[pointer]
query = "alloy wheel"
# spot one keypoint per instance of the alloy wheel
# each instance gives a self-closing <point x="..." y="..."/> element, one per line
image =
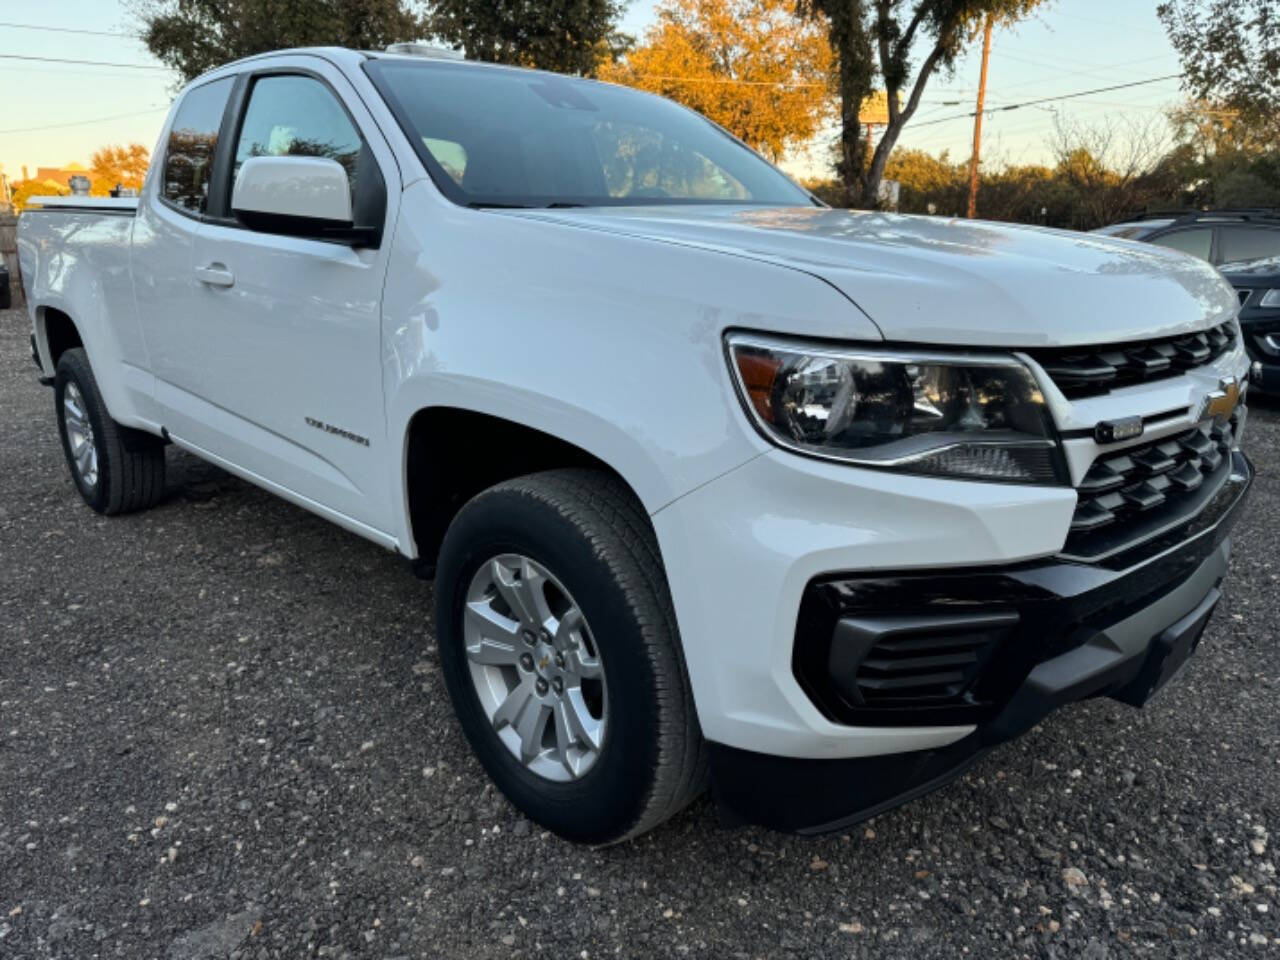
<point x="535" y="667"/>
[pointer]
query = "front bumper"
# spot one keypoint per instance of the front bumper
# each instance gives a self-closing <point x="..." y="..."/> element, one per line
<point x="1084" y="631"/>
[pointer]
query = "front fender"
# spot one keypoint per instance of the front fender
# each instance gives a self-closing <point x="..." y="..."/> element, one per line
<point x="611" y="343"/>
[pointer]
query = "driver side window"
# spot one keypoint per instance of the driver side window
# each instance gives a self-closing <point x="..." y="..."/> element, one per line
<point x="297" y="116"/>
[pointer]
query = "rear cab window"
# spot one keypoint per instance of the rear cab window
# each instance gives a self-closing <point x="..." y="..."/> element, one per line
<point x="193" y="139"/>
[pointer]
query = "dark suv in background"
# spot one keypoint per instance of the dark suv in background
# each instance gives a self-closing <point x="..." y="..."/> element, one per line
<point x="1245" y="246"/>
<point x="1218" y="236"/>
<point x="1258" y="284"/>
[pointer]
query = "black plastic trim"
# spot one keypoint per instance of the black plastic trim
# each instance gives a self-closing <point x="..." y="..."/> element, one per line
<point x="1060" y="605"/>
<point x="815" y="795"/>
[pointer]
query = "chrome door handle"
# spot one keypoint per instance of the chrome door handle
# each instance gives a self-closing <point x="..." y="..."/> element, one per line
<point x="215" y="275"/>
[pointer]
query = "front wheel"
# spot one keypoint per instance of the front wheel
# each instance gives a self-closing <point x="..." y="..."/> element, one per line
<point x="560" y="651"/>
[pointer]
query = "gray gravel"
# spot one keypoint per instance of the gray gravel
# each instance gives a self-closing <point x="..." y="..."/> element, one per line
<point x="223" y="733"/>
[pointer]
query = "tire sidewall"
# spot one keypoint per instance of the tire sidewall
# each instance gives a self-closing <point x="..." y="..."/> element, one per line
<point x="72" y="369"/>
<point x="602" y="804"/>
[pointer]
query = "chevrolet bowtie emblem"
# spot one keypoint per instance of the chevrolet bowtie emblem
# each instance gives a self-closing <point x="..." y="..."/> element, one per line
<point x="1221" y="403"/>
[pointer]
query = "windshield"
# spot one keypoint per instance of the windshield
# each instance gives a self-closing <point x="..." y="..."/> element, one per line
<point x="495" y="136"/>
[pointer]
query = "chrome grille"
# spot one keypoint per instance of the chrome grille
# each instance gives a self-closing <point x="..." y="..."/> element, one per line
<point x="1142" y="485"/>
<point x="1089" y="371"/>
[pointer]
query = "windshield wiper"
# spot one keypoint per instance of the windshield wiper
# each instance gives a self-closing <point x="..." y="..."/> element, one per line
<point x="487" y="205"/>
<point x="563" y="205"/>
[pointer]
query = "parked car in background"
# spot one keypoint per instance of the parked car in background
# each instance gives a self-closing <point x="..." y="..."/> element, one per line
<point x="1257" y="283"/>
<point x="1217" y="236"/>
<point x="716" y="483"/>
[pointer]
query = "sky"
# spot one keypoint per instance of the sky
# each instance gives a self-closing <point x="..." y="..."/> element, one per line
<point x="55" y="113"/>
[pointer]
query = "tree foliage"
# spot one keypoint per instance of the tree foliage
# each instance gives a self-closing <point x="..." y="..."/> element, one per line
<point x="1230" y="49"/>
<point x="752" y="66"/>
<point x="21" y="191"/>
<point x="194" y="36"/>
<point x="1104" y="172"/>
<point x="879" y="37"/>
<point x="568" y="36"/>
<point x="117" y="165"/>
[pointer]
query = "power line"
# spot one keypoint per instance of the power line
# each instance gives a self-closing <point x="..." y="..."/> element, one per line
<point x="81" y="123"/>
<point x="733" y="80"/>
<point x="90" y="63"/>
<point x="94" y="33"/>
<point x="1064" y="96"/>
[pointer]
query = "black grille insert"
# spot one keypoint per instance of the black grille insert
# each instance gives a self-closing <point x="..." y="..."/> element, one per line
<point x="896" y="660"/>
<point x="1090" y="371"/>
<point x="1132" y="492"/>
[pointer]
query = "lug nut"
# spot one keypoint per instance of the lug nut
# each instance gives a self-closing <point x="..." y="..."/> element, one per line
<point x="559" y="659"/>
<point x="558" y="685"/>
<point x="542" y="687"/>
<point x="546" y="636"/>
<point x="530" y="637"/>
<point x="526" y="661"/>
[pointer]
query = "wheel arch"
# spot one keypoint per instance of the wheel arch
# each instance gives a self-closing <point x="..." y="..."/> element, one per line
<point x="56" y="333"/>
<point x="453" y="453"/>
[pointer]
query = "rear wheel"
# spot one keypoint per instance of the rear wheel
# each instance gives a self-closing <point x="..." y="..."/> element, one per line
<point x="560" y="651"/>
<point x="116" y="469"/>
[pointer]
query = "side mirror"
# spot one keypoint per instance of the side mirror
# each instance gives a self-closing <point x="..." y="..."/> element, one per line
<point x="298" y="196"/>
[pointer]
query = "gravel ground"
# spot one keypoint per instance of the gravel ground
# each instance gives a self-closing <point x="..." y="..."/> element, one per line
<point x="223" y="734"/>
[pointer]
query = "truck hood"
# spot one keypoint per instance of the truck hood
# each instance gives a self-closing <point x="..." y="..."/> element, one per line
<point x="946" y="281"/>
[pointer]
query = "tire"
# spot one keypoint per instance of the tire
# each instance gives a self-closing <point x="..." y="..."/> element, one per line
<point x="122" y="470"/>
<point x="587" y="531"/>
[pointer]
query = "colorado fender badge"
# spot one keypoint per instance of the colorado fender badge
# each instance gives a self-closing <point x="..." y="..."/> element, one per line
<point x="1113" y="431"/>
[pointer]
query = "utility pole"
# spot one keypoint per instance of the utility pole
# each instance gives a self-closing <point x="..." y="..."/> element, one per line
<point x="977" y="120"/>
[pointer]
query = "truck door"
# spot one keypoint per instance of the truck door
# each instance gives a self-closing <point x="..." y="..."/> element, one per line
<point x="174" y="200"/>
<point x="282" y="357"/>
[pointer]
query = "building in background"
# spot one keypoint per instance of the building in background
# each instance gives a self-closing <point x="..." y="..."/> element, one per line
<point x="61" y="175"/>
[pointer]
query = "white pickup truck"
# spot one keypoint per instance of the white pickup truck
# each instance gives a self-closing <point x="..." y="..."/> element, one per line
<point x="717" y="485"/>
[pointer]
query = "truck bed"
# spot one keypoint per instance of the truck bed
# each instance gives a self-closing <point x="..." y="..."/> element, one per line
<point x="119" y="205"/>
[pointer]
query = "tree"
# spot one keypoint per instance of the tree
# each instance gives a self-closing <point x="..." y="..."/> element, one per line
<point x="117" y="165"/>
<point x="1108" y="167"/>
<point x="194" y="36"/>
<point x="568" y="36"/>
<point x="752" y="66"/>
<point x="878" y="36"/>
<point x="1230" y="49"/>
<point x="23" y="190"/>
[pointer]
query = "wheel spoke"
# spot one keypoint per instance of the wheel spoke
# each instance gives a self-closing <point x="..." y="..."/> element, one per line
<point x="586" y="729"/>
<point x="569" y="629"/>
<point x="585" y="666"/>
<point x="564" y="738"/>
<point x="83" y="460"/>
<point x="523" y="594"/>
<point x="531" y="726"/>
<point x="509" y="710"/>
<point x="71" y="404"/>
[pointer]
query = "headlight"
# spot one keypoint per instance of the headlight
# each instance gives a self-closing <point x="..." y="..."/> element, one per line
<point x="1270" y="299"/>
<point x="975" y="418"/>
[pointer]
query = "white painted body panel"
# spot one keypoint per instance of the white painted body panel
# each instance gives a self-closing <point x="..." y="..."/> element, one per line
<point x="605" y="328"/>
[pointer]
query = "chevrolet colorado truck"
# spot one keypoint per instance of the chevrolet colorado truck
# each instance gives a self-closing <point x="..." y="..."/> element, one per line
<point x="718" y="485"/>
